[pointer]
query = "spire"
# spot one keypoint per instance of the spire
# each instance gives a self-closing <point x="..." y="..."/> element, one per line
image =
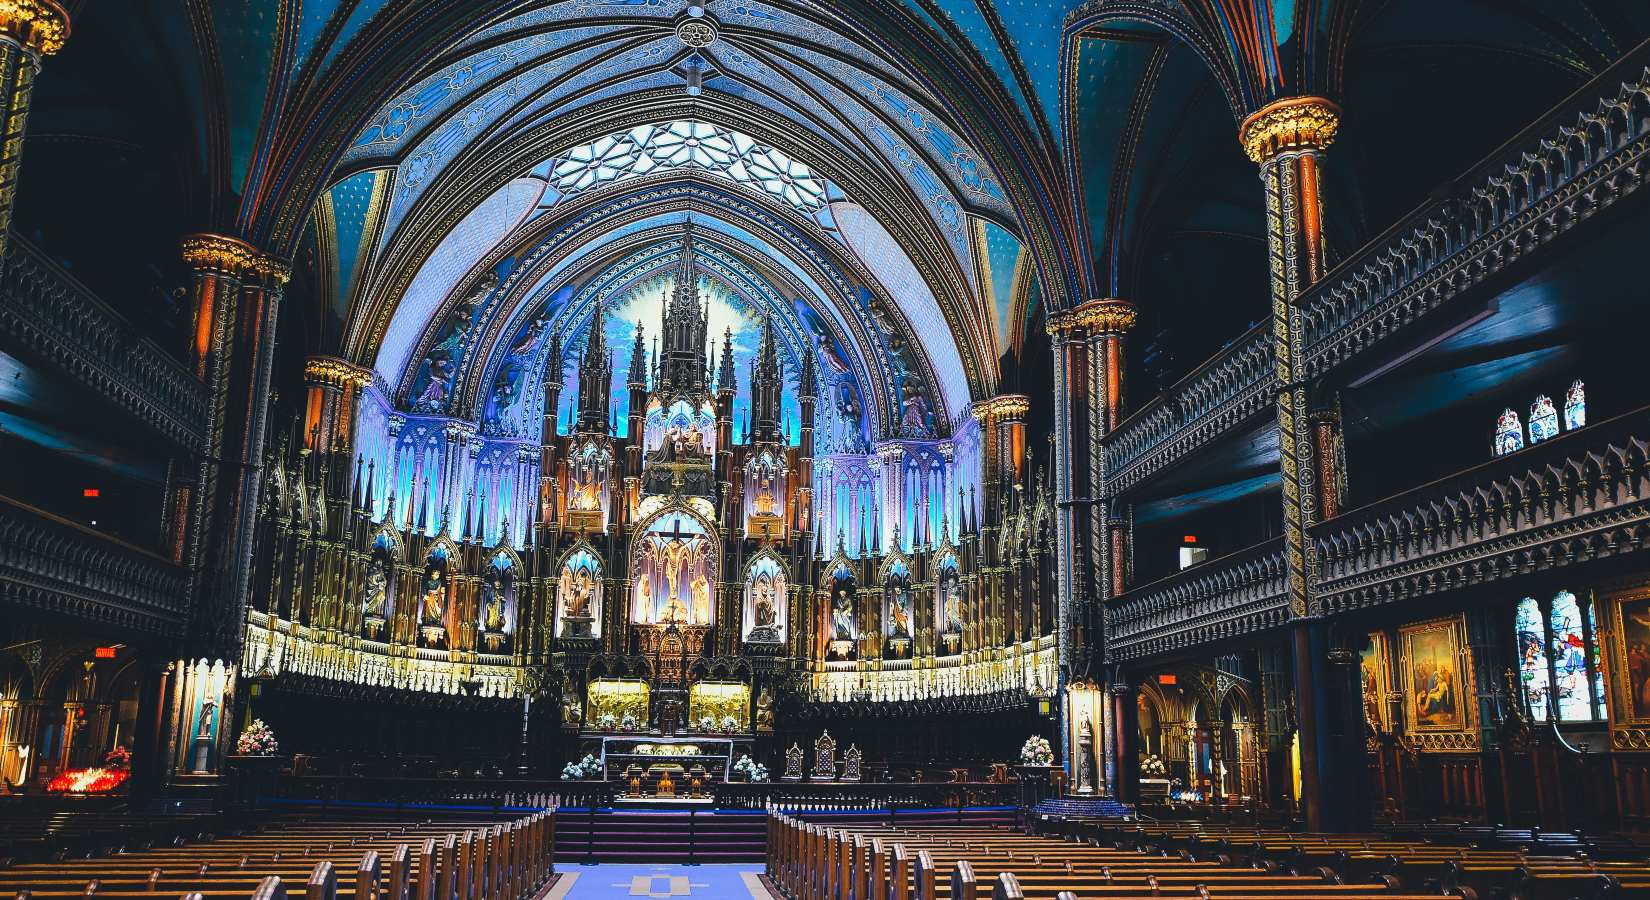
<point x="766" y="386"/>
<point x="725" y="380"/>
<point x="554" y="366"/>
<point x="595" y="376"/>
<point x="638" y="359"/>
<point x="810" y="374"/>
<point x="682" y="361"/>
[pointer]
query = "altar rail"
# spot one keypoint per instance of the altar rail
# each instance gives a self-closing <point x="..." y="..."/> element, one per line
<point x="52" y="564"/>
<point x="1585" y="155"/>
<point x="1240" y="593"/>
<point x="512" y="793"/>
<point x="1565" y="501"/>
<point x="48" y="311"/>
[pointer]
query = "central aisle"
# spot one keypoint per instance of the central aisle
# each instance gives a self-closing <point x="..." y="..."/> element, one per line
<point x="611" y="882"/>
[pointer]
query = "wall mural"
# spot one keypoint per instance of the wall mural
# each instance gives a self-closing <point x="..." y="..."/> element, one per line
<point x="433" y="385"/>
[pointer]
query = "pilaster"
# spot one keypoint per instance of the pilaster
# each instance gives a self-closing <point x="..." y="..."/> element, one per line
<point x="30" y="30"/>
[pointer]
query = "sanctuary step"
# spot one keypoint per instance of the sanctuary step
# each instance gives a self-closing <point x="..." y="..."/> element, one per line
<point x="660" y="836"/>
<point x="1093" y="807"/>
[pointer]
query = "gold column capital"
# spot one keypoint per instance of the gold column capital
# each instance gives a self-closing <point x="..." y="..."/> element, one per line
<point x="1293" y="123"/>
<point x="337" y="372"/>
<point x="232" y="256"/>
<point x="40" y="25"/>
<point x="1003" y="406"/>
<point x="1104" y="315"/>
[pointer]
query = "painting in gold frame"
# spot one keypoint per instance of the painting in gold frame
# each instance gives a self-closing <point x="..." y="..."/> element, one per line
<point x="1630" y="669"/>
<point x="1438" y="690"/>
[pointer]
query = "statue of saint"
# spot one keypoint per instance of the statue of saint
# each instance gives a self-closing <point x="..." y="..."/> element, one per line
<point x="764" y="711"/>
<point x="766" y="505"/>
<point x="435" y="596"/>
<point x="762" y="604"/>
<point x="1085" y="756"/>
<point x="842" y="616"/>
<point x="674" y="610"/>
<point x="644" y="597"/>
<point x="492" y="604"/>
<point x="373" y="598"/>
<point x="701" y="600"/>
<point x="900" y="610"/>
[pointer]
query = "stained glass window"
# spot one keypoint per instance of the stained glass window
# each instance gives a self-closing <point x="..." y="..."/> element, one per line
<point x="1559" y="662"/>
<point x="1509" y="433"/>
<point x="1543" y="419"/>
<point x="1532" y="657"/>
<point x="1575" y="406"/>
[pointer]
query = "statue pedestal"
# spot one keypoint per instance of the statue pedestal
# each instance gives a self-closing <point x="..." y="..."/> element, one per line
<point x="1033" y="784"/>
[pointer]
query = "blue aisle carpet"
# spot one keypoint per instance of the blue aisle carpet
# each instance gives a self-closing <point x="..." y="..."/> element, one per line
<point x="612" y="882"/>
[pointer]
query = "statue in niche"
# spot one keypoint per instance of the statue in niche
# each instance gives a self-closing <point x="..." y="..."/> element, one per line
<point x="572" y="711"/>
<point x="1085" y="756"/>
<point x="953" y="604"/>
<point x="762" y="604"/>
<point x="376" y="594"/>
<point x="492" y="602"/>
<point x="842" y="616"/>
<point x="764" y="711"/>
<point x="434" y="608"/>
<point x="899" y="610"/>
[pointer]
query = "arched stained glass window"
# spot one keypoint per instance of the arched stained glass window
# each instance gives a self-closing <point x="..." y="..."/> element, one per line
<point x="1575" y="406"/>
<point x="1509" y="433"/>
<point x="1543" y="419"/>
<point x="1559" y="661"/>
<point x="1532" y="657"/>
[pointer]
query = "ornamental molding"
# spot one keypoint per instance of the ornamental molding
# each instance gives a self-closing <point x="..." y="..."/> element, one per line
<point x="331" y="370"/>
<point x="1293" y="124"/>
<point x="233" y="257"/>
<point x="1005" y="406"/>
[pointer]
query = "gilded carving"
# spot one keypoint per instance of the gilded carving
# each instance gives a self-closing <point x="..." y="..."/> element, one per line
<point x="40" y="25"/>
<point x="1294" y="123"/>
<point x="1107" y="315"/>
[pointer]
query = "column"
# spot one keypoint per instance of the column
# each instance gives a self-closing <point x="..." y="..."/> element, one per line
<point x="1088" y="385"/>
<point x="332" y="389"/>
<point x="236" y="293"/>
<point x="29" y="31"/>
<point x="1349" y="799"/>
<point x="1287" y="139"/>
<point x="1126" y="738"/>
<point x="1329" y="446"/>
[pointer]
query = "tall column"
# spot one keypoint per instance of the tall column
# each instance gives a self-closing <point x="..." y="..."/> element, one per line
<point x="236" y="293"/>
<point x="1287" y="139"/>
<point x="29" y="31"/>
<point x="1088" y="385"/>
<point x="332" y="389"/>
<point x="1329" y="446"/>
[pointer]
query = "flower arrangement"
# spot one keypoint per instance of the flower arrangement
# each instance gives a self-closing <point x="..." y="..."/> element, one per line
<point x="1037" y="752"/>
<point x="1151" y="766"/>
<point x="257" y="740"/>
<point x="729" y="723"/>
<point x="589" y="767"/>
<point x="628" y="722"/>
<point x="753" y="771"/>
<point x="707" y="723"/>
<point x="606" y="721"/>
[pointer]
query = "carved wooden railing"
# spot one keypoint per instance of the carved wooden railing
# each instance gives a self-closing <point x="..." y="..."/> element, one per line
<point x="1237" y="594"/>
<point x="1215" y="398"/>
<point x="49" y="311"/>
<point x="1571" y="499"/>
<point x="52" y="564"/>
<point x="1589" y="153"/>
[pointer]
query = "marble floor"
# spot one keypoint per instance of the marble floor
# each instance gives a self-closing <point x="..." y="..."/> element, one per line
<point x="611" y="882"/>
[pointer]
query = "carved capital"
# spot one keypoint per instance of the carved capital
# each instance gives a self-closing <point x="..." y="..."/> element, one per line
<point x="1293" y="123"/>
<point x="1006" y="406"/>
<point x="40" y="25"/>
<point x="1106" y="315"/>
<point x="331" y="370"/>
<point x="232" y="256"/>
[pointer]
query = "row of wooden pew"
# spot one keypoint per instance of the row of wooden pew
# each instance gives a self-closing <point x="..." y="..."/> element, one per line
<point x="816" y="861"/>
<point x="1536" y="866"/>
<point x="366" y="858"/>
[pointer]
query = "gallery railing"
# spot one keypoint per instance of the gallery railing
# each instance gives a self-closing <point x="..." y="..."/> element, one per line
<point x="1567" y="500"/>
<point x="1585" y="155"/>
<point x="1217" y="397"/>
<point x="48" y="311"/>
<point x="1237" y="594"/>
<point x="50" y="563"/>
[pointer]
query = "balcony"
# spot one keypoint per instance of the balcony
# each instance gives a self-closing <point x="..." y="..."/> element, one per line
<point x="48" y="311"/>
<point x="1568" y="500"/>
<point x="1587" y="154"/>
<point x="1238" y="594"/>
<point x="1214" y="400"/>
<point x="51" y="564"/>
